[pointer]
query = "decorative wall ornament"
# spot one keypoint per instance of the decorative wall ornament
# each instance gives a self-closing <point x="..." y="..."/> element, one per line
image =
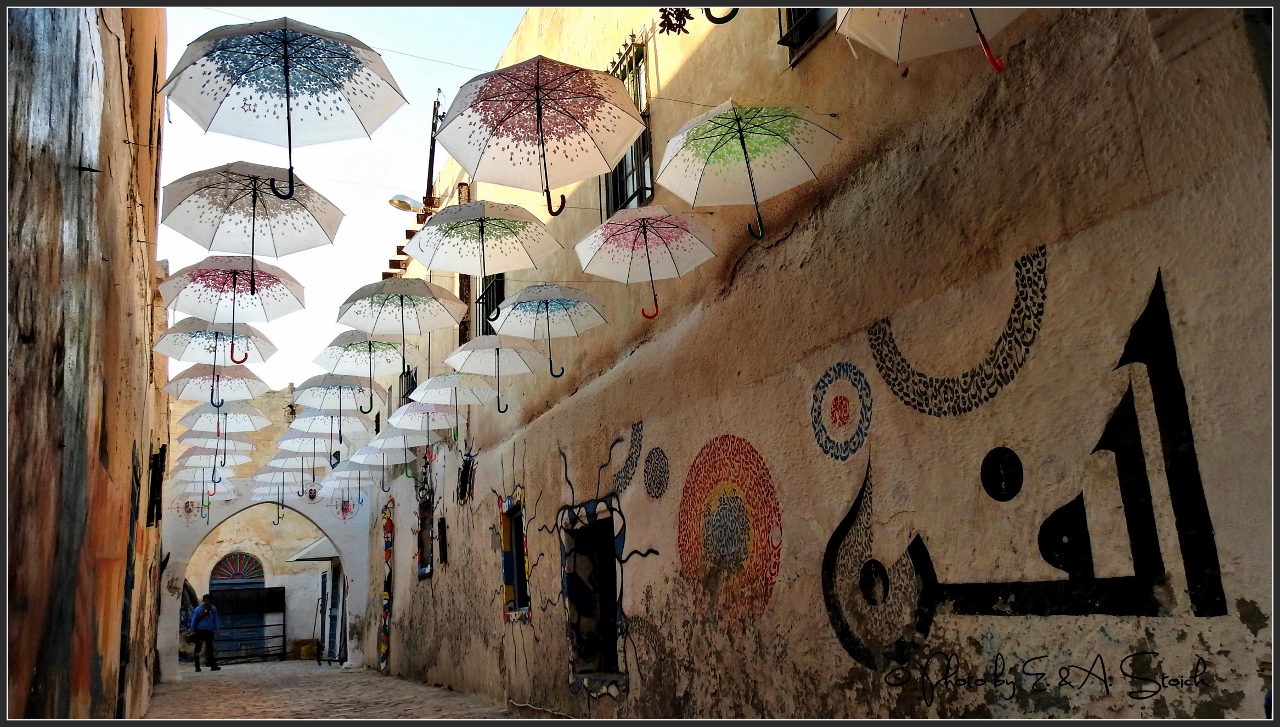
<point x="730" y="528"/>
<point x="237" y="566"/>
<point x="622" y="478"/>
<point x="656" y="473"/>
<point x="515" y="555"/>
<point x="955" y="395"/>
<point x="836" y="410"/>
<point x="384" y="629"/>
<point x="426" y="527"/>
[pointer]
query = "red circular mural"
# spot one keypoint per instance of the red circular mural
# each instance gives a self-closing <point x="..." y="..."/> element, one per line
<point x="730" y="527"/>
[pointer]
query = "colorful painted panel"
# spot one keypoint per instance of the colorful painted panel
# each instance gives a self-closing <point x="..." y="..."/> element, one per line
<point x="515" y="549"/>
<point x="384" y="630"/>
<point x="237" y="566"/>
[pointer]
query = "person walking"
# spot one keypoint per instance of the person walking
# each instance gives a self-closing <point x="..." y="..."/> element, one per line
<point x="204" y="623"/>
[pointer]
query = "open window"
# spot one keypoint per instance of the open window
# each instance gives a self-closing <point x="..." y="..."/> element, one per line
<point x="426" y="507"/>
<point x="630" y="184"/>
<point x="515" y="558"/>
<point x="591" y="581"/>
<point x="799" y="29"/>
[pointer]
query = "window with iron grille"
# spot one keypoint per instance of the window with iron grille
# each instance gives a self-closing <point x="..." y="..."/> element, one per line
<point x="494" y="291"/>
<point x="630" y="184"/>
<point x="408" y="382"/>
<point x="799" y="29"/>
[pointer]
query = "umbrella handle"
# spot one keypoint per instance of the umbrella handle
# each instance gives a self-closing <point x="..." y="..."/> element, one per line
<point x="493" y="315"/>
<point x="721" y="20"/>
<point x="554" y="212"/>
<point x="364" y="410"/>
<point x="335" y="459"/>
<point x="276" y="192"/>
<point x="760" y="222"/>
<point x="235" y="360"/>
<point x="996" y="63"/>
<point x="645" y="313"/>
<point x="278" y="514"/>
<point x="384" y="485"/>
<point x="215" y="479"/>
<point x="216" y="404"/>
<point x="431" y="455"/>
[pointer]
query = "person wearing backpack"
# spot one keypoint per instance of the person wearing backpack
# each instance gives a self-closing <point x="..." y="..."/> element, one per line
<point x="204" y="623"/>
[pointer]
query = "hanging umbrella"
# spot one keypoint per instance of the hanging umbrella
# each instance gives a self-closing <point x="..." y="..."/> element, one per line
<point x="421" y="417"/>
<point x="316" y="443"/>
<point x="203" y="381"/>
<point x="540" y="125"/>
<point x="199" y="341"/>
<point x="234" y="416"/>
<point x="304" y="463"/>
<point x="195" y="473"/>
<point x="392" y="438"/>
<point x="375" y="456"/>
<point x="404" y="305"/>
<point x="337" y="392"/>
<point x="202" y="457"/>
<point x="902" y="34"/>
<point x="354" y="352"/>
<point x="550" y="310"/>
<point x="315" y="420"/>
<point x="244" y="80"/>
<point x="273" y="475"/>
<point x="222" y="287"/>
<point x="486" y="354"/>
<point x="455" y="388"/>
<point x="646" y="243"/>
<point x="482" y="238"/>
<point x="229" y="442"/>
<point x="228" y="209"/>
<point x="743" y="152"/>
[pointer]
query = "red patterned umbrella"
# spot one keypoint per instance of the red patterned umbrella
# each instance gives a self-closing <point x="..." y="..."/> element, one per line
<point x="540" y="124"/>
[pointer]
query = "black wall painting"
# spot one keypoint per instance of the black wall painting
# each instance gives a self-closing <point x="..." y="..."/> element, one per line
<point x="956" y="395"/>
<point x="882" y="614"/>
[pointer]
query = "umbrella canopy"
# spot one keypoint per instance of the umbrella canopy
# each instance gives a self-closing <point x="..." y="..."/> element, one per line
<point x="315" y="420"/>
<point x="553" y="311"/>
<point x="391" y="438"/>
<point x="337" y="392"/>
<point x="277" y="476"/>
<point x="224" y="492"/>
<point x="646" y="243"/>
<point x="199" y="341"/>
<point x="539" y="125"/>
<point x="487" y="354"/>
<point x="196" y="473"/>
<point x="401" y="305"/>
<point x="202" y="457"/>
<point x="902" y="34"/>
<point x="227" y="442"/>
<point x="482" y="238"/>
<point x="203" y="381"/>
<point x="234" y="416"/>
<point x="381" y="457"/>
<point x="455" y="388"/>
<point x="299" y="441"/>
<point x="229" y="209"/>
<point x="422" y="417"/>
<point x="357" y="352"/>
<point x="744" y="151"/>
<point x="284" y="83"/>
<point x="218" y="289"/>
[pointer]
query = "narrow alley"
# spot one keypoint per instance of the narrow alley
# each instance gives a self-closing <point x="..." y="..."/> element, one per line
<point x="305" y="690"/>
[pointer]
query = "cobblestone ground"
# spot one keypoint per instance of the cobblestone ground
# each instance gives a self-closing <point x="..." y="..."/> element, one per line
<point x="305" y="690"/>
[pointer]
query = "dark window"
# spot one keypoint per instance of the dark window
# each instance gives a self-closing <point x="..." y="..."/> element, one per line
<point x="464" y="325"/>
<point x="515" y="577"/>
<point x="442" y="534"/>
<point x="800" y="28"/>
<point x="493" y="292"/>
<point x="592" y="587"/>
<point x="425" y="507"/>
<point x="630" y="184"/>
<point x="155" y="504"/>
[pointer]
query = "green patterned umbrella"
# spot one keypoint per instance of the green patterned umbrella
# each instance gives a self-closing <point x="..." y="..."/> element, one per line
<point x="744" y="151"/>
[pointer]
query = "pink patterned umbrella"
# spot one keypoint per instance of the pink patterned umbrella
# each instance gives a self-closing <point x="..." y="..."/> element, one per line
<point x="539" y="125"/>
<point x="645" y="243"/>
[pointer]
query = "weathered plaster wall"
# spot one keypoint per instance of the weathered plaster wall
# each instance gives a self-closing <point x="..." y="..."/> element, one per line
<point x="812" y="395"/>
<point x="84" y="141"/>
<point x="251" y="531"/>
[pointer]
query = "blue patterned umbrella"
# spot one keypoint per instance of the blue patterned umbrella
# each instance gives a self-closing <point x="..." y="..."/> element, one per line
<point x="283" y="82"/>
<point x="548" y="310"/>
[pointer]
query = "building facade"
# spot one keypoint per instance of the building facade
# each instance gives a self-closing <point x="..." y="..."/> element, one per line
<point x="88" y="424"/>
<point x="981" y="417"/>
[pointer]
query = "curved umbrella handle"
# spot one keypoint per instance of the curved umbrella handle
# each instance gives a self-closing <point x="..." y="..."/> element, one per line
<point x="551" y="367"/>
<point x="554" y="212"/>
<point x="364" y="410"/>
<point x="216" y="404"/>
<point x="276" y="192"/>
<point x="335" y="459"/>
<point x="721" y="20"/>
<point x="996" y="63"/>
<point x="302" y="491"/>
<point x="279" y="513"/>
<point x="493" y="315"/>
<point x="431" y="455"/>
<point x="215" y="479"/>
<point x="760" y="222"/>
<point x="383" y="485"/>
<point x="360" y="496"/>
<point x="235" y="360"/>
<point x="645" y="313"/>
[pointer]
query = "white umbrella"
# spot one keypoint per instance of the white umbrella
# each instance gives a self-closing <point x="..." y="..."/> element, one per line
<point x="201" y="457"/>
<point x="487" y="354"/>
<point x="337" y="392"/>
<point x="455" y="388"/>
<point x="230" y="209"/>
<point x="745" y="151"/>
<point x="316" y="443"/>
<point x="646" y="243"/>
<point x="234" y="416"/>
<point x="396" y="438"/>
<point x="482" y="238"/>
<point x="902" y="34"/>
<point x="228" y="442"/>
<point x="381" y="457"/>
<point x="315" y="420"/>
<point x="417" y="416"/>
<point x="540" y="124"/>
<point x="203" y="381"/>
<point x="555" y="311"/>
<point x="200" y="474"/>
<point x="217" y="289"/>
<point x="284" y="83"/>
<point x="401" y="305"/>
<point x="199" y="341"/>
<point x="355" y="352"/>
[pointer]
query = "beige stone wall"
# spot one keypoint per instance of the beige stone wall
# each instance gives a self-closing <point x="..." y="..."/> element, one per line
<point x="1030" y="232"/>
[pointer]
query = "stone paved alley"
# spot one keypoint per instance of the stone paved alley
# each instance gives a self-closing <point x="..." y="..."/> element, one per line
<point x="304" y="690"/>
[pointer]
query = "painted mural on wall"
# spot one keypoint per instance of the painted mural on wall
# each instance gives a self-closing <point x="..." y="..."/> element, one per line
<point x="657" y="473"/>
<point x="831" y="412"/>
<point x="384" y="628"/>
<point x="882" y="614"/>
<point x="730" y="528"/>
<point x="515" y="557"/>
